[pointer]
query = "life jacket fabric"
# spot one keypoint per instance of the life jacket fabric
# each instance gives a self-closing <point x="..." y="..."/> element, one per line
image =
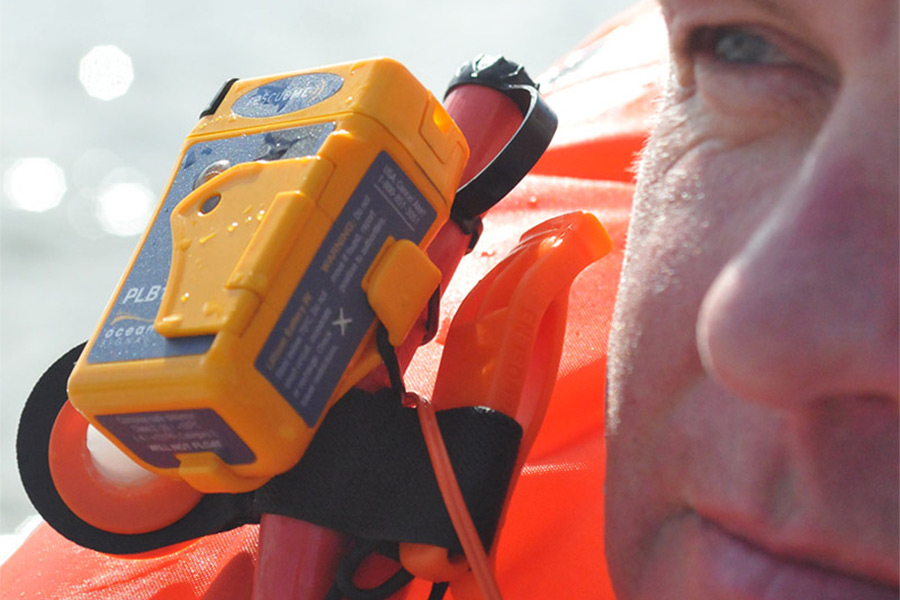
<point x="551" y="545"/>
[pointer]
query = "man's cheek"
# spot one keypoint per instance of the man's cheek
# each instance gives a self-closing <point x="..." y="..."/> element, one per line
<point x="668" y="225"/>
<point x="707" y="198"/>
<point x="685" y="227"/>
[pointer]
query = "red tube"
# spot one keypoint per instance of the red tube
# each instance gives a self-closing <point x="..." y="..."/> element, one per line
<point x="297" y="560"/>
<point x="487" y="118"/>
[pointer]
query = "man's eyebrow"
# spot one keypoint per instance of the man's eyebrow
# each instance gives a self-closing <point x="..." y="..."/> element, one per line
<point x="772" y="6"/>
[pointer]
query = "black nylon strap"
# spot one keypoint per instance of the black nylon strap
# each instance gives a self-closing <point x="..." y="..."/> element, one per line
<point x="367" y="472"/>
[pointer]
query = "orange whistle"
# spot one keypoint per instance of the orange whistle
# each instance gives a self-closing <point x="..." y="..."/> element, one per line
<point x="502" y="352"/>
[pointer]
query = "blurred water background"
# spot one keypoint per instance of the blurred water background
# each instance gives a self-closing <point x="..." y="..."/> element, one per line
<point x="97" y="96"/>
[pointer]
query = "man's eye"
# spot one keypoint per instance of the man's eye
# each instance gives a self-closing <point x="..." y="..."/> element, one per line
<point x="735" y="45"/>
<point x="736" y="69"/>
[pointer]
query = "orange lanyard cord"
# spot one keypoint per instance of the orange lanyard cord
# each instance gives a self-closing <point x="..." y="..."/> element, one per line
<point x="456" y="505"/>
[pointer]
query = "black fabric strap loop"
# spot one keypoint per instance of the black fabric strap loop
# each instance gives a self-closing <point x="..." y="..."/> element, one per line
<point x="367" y="472"/>
<point x="349" y="565"/>
<point x="523" y="149"/>
<point x="214" y="512"/>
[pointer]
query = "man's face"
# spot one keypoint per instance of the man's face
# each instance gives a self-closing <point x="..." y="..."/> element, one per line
<point x="753" y="384"/>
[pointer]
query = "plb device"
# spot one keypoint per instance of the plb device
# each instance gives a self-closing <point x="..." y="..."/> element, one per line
<point x="295" y="220"/>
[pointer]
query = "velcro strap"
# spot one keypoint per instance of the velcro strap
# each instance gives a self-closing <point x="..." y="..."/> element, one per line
<point x="367" y="472"/>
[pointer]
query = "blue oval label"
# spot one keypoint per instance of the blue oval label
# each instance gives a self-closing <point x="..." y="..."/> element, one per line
<point x="287" y="95"/>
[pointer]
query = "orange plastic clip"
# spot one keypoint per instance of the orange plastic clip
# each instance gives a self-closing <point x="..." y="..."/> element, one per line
<point x="503" y="351"/>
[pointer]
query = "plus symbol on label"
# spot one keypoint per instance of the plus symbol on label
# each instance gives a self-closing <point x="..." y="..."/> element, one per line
<point x="342" y="322"/>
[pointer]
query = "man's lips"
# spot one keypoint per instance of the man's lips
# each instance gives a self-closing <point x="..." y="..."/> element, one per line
<point x="735" y="567"/>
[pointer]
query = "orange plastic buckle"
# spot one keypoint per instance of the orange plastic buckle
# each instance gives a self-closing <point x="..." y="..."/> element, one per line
<point x="503" y="351"/>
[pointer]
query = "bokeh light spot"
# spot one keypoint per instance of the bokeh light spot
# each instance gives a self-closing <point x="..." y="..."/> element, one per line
<point x="34" y="184"/>
<point x="125" y="207"/>
<point x="105" y="72"/>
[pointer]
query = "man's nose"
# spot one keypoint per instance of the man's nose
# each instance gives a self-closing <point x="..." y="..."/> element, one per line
<point x="808" y="308"/>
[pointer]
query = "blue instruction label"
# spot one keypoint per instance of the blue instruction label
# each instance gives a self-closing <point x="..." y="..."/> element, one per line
<point x="328" y="314"/>
<point x="156" y="437"/>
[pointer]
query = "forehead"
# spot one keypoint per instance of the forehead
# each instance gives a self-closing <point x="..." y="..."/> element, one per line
<point x="809" y="7"/>
<point x="770" y="5"/>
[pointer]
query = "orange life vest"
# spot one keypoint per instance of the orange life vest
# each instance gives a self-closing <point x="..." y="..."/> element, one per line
<point x="551" y="545"/>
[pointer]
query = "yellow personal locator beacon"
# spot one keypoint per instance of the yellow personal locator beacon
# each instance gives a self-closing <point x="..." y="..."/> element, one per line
<point x="295" y="219"/>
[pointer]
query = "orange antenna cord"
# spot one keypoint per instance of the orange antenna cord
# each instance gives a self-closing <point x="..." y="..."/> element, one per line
<point x="456" y="505"/>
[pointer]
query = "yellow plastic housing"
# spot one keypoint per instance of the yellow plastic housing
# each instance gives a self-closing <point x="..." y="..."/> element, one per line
<point x="297" y="212"/>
